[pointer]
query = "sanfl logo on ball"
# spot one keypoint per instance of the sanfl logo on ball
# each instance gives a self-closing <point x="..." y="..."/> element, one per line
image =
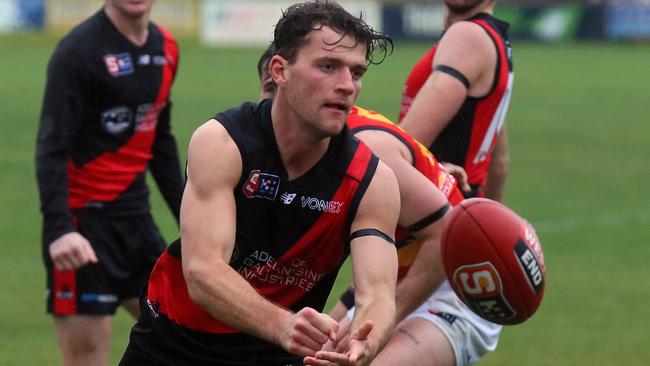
<point x="478" y="280"/>
<point x="481" y="288"/>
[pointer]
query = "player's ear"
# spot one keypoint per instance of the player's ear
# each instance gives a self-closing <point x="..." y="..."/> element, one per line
<point x="278" y="69"/>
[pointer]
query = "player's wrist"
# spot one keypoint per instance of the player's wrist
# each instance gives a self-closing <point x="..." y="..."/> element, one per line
<point x="280" y="323"/>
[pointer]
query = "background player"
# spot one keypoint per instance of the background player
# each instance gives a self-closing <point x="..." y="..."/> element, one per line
<point x="439" y="329"/>
<point x="456" y="97"/>
<point x="277" y="195"/>
<point x="105" y="119"/>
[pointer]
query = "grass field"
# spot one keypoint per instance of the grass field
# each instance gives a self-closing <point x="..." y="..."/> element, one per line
<point x="580" y="169"/>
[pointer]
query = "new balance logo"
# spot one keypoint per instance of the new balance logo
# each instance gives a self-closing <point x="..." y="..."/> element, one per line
<point x="287" y="198"/>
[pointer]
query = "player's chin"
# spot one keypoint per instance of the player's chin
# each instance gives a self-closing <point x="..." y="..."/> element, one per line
<point x="137" y="9"/>
<point x="332" y="126"/>
<point x="335" y="130"/>
<point x="136" y="13"/>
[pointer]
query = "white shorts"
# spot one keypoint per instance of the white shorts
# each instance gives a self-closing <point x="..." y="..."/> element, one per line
<point x="470" y="336"/>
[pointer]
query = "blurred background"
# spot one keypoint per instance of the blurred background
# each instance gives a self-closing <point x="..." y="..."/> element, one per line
<point x="247" y="22"/>
<point x="579" y="140"/>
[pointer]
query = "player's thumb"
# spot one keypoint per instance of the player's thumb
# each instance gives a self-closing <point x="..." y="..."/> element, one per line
<point x="91" y="255"/>
<point x="362" y="332"/>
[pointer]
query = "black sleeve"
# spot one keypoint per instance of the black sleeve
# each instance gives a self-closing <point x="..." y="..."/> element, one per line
<point x="165" y="165"/>
<point x="62" y="104"/>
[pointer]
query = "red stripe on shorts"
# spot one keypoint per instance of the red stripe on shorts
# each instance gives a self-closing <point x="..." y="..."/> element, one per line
<point x="64" y="292"/>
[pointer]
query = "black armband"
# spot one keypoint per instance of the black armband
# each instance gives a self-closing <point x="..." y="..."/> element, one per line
<point x="347" y="298"/>
<point x="371" y="232"/>
<point x="453" y="73"/>
<point x="437" y="215"/>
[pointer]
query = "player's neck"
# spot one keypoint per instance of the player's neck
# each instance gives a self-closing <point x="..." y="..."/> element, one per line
<point x="299" y="147"/>
<point x="452" y="17"/>
<point x="135" y="29"/>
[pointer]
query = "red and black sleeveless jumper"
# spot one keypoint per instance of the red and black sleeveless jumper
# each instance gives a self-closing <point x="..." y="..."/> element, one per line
<point x="291" y="239"/>
<point x="469" y="138"/>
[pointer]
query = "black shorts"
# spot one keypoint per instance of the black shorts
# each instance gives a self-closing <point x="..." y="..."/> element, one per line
<point x="127" y="249"/>
<point x="156" y="340"/>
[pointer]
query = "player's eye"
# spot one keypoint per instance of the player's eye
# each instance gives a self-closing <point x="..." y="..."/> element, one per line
<point x="328" y="67"/>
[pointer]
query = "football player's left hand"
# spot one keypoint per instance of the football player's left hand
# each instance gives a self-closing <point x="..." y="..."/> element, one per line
<point x="359" y="352"/>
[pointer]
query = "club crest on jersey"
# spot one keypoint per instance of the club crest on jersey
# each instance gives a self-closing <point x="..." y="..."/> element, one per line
<point x="261" y="185"/>
<point x="119" y="65"/>
<point x="483" y="291"/>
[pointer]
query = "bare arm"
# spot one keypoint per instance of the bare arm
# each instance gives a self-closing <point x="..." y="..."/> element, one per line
<point x="374" y="271"/>
<point x="499" y="165"/>
<point x="464" y="47"/>
<point x="419" y="199"/>
<point x="374" y="262"/>
<point x="208" y="216"/>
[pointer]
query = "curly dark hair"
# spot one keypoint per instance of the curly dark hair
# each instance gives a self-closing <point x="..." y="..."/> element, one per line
<point x="301" y="18"/>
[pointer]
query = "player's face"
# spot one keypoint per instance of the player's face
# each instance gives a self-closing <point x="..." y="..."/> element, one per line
<point x="131" y="8"/>
<point x="324" y="81"/>
<point x="462" y="6"/>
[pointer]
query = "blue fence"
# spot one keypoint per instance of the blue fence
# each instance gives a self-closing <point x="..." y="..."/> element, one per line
<point x="21" y="14"/>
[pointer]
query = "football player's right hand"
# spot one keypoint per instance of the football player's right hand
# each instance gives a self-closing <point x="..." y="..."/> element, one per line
<point x="306" y="331"/>
<point x="71" y="251"/>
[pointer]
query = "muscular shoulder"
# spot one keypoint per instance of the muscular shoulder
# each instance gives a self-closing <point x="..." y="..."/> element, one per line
<point x="213" y="156"/>
<point x="212" y="136"/>
<point x="465" y="39"/>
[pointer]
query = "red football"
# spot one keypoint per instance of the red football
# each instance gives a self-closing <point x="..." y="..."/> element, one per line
<point x="493" y="260"/>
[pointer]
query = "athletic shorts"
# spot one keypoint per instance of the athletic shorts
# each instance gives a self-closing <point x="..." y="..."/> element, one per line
<point x="470" y="336"/>
<point x="156" y="340"/>
<point x="126" y="247"/>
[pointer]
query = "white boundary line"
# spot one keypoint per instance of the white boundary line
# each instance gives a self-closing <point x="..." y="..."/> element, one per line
<point x="594" y="221"/>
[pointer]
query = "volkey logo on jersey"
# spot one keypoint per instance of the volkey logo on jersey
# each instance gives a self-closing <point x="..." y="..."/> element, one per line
<point x="119" y="65"/>
<point x="261" y="185"/>
<point x="321" y="205"/>
<point x="287" y="198"/>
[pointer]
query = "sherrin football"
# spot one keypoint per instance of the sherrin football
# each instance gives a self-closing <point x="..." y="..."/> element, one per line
<point x="493" y="260"/>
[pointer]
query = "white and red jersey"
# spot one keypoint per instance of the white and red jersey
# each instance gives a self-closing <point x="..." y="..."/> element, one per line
<point x="468" y="139"/>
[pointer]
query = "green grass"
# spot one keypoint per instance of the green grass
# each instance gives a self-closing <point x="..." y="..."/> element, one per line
<point x="580" y="152"/>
